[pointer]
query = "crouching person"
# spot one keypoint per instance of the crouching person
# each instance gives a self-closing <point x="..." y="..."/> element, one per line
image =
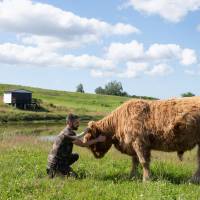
<point x="61" y="157"/>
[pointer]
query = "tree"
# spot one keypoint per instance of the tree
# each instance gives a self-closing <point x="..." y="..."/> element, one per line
<point x="79" y="88"/>
<point x="100" y="90"/>
<point x="125" y="94"/>
<point x="114" y="88"/>
<point x="187" y="94"/>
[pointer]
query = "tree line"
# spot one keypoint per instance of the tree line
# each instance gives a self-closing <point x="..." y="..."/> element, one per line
<point x="112" y="88"/>
<point x="115" y="88"/>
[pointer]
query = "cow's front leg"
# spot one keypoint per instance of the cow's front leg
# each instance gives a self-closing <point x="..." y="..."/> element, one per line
<point x="143" y="154"/>
<point x="134" y="168"/>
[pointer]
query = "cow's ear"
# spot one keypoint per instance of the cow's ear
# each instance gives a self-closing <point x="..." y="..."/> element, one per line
<point x="91" y="125"/>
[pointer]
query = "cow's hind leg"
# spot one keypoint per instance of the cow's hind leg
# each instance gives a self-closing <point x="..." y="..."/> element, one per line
<point x="196" y="177"/>
<point x="135" y="162"/>
<point x="143" y="154"/>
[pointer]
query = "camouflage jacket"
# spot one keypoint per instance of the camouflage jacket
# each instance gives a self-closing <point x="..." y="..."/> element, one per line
<point x="62" y="147"/>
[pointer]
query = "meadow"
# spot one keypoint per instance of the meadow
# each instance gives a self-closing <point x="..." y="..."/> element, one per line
<point x="23" y="176"/>
<point x="23" y="158"/>
<point x="56" y="104"/>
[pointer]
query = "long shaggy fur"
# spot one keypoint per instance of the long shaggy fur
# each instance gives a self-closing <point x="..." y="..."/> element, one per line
<point x="139" y="126"/>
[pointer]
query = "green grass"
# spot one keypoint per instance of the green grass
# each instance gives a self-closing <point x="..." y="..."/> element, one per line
<point x="58" y="103"/>
<point x="23" y="157"/>
<point x="22" y="175"/>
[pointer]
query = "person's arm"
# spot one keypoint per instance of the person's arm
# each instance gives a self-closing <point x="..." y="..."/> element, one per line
<point x="75" y="137"/>
<point x="80" y="143"/>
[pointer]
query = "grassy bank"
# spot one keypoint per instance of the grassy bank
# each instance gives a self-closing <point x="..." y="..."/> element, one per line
<point x="23" y="175"/>
<point x="56" y="104"/>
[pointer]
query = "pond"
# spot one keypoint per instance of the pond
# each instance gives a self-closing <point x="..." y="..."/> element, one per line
<point x="45" y="131"/>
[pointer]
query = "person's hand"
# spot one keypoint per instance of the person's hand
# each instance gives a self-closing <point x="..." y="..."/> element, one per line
<point x="101" y="138"/>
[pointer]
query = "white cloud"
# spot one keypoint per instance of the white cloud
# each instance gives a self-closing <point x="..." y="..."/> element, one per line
<point x="128" y="60"/>
<point x="185" y="56"/>
<point x="160" y="70"/>
<point x="138" y="60"/>
<point x="134" y="70"/>
<point x="53" y="43"/>
<point x="164" y="51"/>
<point x="135" y="52"/>
<point x="171" y="10"/>
<point x="125" y="51"/>
<point x="189" y="57"/>
<point x="101" y="74"/>
<point x="48" y="23"/>
<point x="124" y="29"/>
<point x="13" y="54"/>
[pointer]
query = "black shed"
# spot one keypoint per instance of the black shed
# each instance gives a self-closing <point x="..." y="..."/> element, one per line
<point x="19" y="98"/>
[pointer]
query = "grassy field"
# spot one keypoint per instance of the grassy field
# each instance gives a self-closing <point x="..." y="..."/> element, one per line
<point x="23" y="157"/>
<point x="23" y="164"/>
<point x="56" y="104"/>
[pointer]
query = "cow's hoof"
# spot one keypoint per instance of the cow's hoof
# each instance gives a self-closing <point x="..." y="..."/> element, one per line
<point x="146" y="179"/>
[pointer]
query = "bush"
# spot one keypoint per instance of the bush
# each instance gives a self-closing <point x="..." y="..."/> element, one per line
<point x="99" y="90"/>
<point x="187" y="94"/>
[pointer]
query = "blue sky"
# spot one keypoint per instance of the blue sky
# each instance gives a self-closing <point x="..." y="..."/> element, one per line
<point x="151" y="46"/>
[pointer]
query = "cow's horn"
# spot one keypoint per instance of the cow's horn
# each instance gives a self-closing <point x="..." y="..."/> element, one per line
<point x="80" y="135"/>
<point x="83" y="133"/>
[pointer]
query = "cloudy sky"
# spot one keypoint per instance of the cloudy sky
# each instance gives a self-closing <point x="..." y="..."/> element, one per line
<point x="151" y="46"/>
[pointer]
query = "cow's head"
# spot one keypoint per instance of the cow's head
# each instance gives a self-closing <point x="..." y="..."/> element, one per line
<point x="101" y="148"/>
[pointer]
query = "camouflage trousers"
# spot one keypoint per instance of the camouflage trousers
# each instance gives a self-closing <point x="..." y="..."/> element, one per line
<point x="61" y="166"/>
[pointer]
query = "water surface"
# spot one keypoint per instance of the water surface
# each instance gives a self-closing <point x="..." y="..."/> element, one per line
<point x="45" y="131"/>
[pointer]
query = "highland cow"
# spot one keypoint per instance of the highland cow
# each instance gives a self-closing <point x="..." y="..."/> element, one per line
<point x="139" y="126"/>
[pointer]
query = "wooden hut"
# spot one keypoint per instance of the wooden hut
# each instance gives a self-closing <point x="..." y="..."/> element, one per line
<point x="18" y="98"/>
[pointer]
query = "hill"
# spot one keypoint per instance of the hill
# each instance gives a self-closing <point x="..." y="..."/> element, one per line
<point x="56" y="104"/>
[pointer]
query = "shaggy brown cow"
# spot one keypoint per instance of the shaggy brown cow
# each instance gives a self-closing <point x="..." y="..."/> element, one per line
<point x="139" y="126"/>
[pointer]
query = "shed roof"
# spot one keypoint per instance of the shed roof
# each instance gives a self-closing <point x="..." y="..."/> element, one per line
<point x="18" y="91"/>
